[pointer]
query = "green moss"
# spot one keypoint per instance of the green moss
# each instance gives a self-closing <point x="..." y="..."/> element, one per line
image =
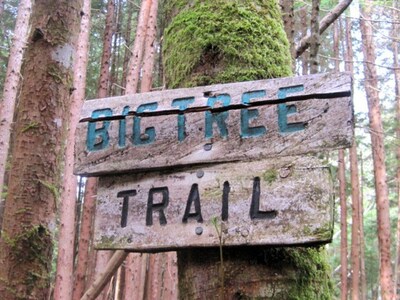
<point x="39" y="242"/>
<point x="31" y="125"/>
<point x="53" y="189"/>
<point x="57" y="31"/>
<point x="225" y="41"/>
<point x="313" y="281"/>
<point x="270" y="176"/>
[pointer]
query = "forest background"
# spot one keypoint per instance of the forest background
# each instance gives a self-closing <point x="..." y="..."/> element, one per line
<point x="120" y="19"/>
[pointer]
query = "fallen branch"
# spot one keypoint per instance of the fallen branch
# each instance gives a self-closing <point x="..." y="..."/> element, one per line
<point x="112" y="266"/>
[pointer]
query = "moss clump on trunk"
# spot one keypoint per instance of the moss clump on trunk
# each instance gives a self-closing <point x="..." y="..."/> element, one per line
<point x="31" y="248"/>
<point x="222" y="41"/>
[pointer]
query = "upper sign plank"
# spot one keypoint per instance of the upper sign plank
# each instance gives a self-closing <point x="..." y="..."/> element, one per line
<point x="219" y="123"/>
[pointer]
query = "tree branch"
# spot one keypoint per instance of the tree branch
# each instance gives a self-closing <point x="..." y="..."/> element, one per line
<point x="323" y="25"/>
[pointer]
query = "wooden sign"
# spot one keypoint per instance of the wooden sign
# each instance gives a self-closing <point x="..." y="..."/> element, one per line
<point x="220" y="123"/>
<point x="276" y="202"/>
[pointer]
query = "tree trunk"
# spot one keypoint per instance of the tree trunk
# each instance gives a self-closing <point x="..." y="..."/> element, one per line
<point x="149" y="48"/>
<point x="342" y="185"/>
<point x="37" y="154"/>
<point x="132" y="77"/>
<point x="378" y="152"/>
<point x="343" y="227"/>
<point x="355" y="226"/>
<point x="104" y="80"/>
<point x="136" y="264"/>
<point x="195" y="57"/>
<point x="86" y="233"/>
<point x="65" y="262"/>
<point x="102" y="257"/>
<point x="303" y="24"/>
<point x="396" y="66"/>
<point x="1" y="7"/>
<point x="287" y="7"/>
<point x="314" y="40"/>
<point x="12" y="79"/>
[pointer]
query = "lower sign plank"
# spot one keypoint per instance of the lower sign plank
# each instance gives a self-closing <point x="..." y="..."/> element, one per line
<point x="278" y="202"/>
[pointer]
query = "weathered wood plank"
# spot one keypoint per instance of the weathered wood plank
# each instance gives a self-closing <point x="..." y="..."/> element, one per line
<point x="269" y="131"/>
<point x="285" y="201"/>
<point x="321" y="86"/>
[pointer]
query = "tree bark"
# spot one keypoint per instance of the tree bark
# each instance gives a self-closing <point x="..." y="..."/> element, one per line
<point x="305" y="55"/>
<point x="396" y="66"/>
<point x="343" y="227"/>
<point x="342" y="185"/>
<point x="287" y="7"/>
<point x="86" y="233"/>
<point x="248" y="272"/>
<point x="104" y="80"/>
<point x="378" y="152"/>
<point x="149" y="48"/>
<point x="132" y="78"/>
<point x="314" y="40"/>
<point x="38" y="151"/>
<point x="355" y="226"/>
<point x="12" y="79"/>
<point x="65" y="261"/>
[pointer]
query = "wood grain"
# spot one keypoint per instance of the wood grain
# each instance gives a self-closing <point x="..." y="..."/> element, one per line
<point x="320" y="104"/>
<point x="296" y="191"/>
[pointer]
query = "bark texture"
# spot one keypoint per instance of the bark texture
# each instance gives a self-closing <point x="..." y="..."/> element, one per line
<point x="355" y="226"/>
<point x="378" y="152"/>
<point x="396" y="66"/>
<point x="38" y="152"/>
<point x="132" y="78"/>
<point x="65" y="261"/>
<point x="210" y="42"/>
<point x="12" y="79"/>
<point x="85" y="236"/>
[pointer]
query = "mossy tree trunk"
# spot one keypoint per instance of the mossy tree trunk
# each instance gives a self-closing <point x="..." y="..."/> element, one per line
<point x="29" y="223"/>
<point x="221" y="41"/>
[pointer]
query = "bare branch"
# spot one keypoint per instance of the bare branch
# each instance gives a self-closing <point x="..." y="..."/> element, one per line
<point x="323" y="25"/>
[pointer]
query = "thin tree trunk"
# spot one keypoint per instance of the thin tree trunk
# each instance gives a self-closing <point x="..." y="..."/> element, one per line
<point x="132" y="77"/>
<point x="12" y="79"/>
<point x="342" y="185"/>
<point x="378" y="153"/>
<point x="2" y="7"/>
<point x="149" y="48"/>
<point x="314" y="40"/>
<point x="287" y="7"/>
<point x="104" y="80"/>
<point x="38" y="151"/>
<point x="355" y="227"/>
<point x="395" y="50"/>
<point x="86" y="232"/>
<point x="343" y="226"/>
<point x="65" y="261"/>
<point x="102" y="257"/>
<point x="305" y="55"/>
<point x="363" y="279"/>
<point x="136" y="264"/>
<point x="127" y="37"/>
